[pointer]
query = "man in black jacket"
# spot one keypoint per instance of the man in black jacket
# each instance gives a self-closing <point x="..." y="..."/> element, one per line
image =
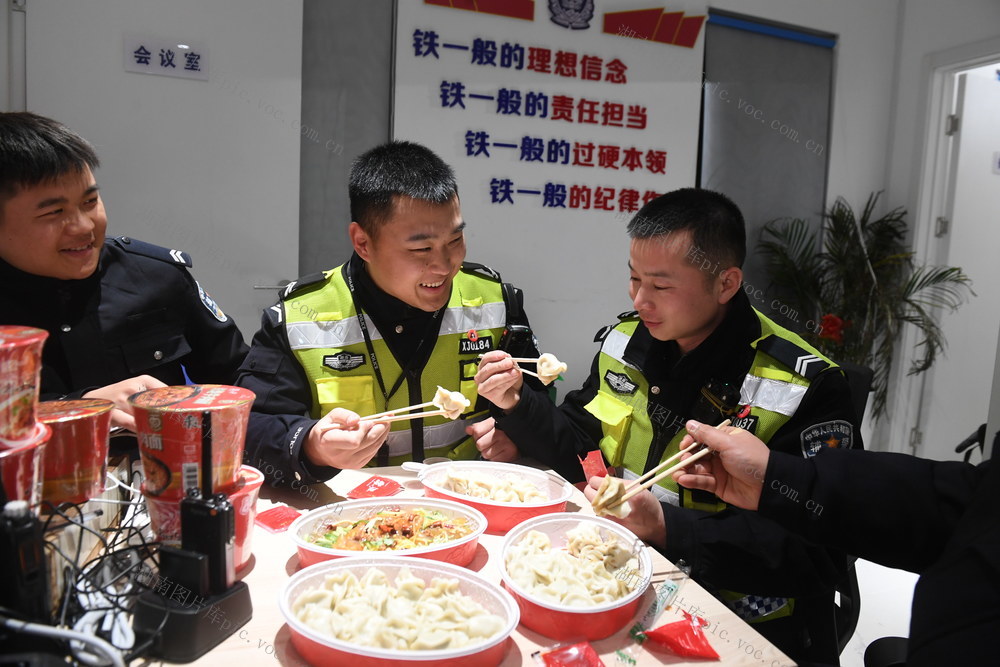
<point x="122" y="315"/>
<point x="941" y="520"/>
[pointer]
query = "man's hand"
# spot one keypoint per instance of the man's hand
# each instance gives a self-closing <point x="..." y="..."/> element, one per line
<point x="492" y="443"/>
<point x="118" y="393"/>
<point x="645" y="519"/>
<point x="499" y="380"/>
<point x="341" y="440"/>
<point x="735" y="472"/>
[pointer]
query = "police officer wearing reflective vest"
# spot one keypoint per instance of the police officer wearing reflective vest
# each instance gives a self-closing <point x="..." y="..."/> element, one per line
<point x="383" y="331"/>
<point x="122" y="315"/>
<point x="696" y="348"/>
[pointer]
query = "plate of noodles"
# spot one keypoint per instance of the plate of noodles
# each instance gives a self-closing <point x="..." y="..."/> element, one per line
<point x="426" y="527"/>
<point x="505" y="493"/>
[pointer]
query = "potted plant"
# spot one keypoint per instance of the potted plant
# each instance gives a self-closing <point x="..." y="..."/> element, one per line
<point x="856" y="277"/>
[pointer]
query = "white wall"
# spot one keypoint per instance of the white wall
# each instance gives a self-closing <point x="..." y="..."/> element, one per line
<point x="931" y="33"/>
<point x="4" y="55"/>
<point x="210" y="167"/>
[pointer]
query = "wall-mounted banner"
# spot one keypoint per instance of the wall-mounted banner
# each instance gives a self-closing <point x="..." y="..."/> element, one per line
<point x="561" y="118"/>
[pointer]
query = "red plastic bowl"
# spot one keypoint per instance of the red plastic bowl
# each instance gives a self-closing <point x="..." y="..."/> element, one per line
<point x="500" y="516"/>
<point x="564" y="622"/>
<point x="321" y="650"/>
<point x="457" y="552"/>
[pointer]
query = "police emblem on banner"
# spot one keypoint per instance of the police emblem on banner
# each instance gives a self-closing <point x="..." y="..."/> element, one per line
<point x="572" y="14"/>
<point x="210" y="303"/>
<point x="837" y="434"/>
<point x="343" y="361"/>
<point x="620" y="382"/>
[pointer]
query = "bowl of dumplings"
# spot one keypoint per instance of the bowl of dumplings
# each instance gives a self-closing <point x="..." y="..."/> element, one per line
<point x="575" y="576"/>
<point x="373" y="612"/>
<point x="505" y="493"/>
<point x="424" y="527"/>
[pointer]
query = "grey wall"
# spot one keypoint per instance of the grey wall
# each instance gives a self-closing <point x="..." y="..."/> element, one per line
<point x="346" y="109"/>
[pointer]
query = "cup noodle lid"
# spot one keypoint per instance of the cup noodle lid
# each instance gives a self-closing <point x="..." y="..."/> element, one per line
<point x="54" y="412"/>
<point x="191" y="398"/>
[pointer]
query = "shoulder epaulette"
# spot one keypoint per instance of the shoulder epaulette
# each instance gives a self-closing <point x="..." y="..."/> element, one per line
<point x="628" y="315"/>
<point x="603" y="333"/>
<point x="481" y="270"/>
<point x="168" y="255"/>
<point x="304" y="281"/>
<point x="800" y="360"/>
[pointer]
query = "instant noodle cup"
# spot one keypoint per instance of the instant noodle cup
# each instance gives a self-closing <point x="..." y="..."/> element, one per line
<point x="244" y="501"/>
<point x="165" y="514"/>
<point x="168" y="427"/>
<point x="21" y="467"/>
<point x="76" y="458"/>
<point x="20" y="369"/>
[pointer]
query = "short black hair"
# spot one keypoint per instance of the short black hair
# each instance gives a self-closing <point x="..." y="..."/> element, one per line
<point x="397" y="168"/>
<point x="715" y="222"/>
<point x="35" y="150"/>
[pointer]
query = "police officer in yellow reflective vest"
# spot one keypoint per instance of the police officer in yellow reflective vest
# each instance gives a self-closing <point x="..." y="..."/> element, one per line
<point x="696" y="348"/>
<point x="383" y="331"/>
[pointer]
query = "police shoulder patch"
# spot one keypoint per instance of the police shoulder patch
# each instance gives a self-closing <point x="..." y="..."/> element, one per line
<point x="152" y="251"/>
<point x="836" y="433"/>
<point x="800" y="360"/>
<point x="210" y="303"/>
<point x="603" y="333"/>
<point x="620" y="382"/>
<point x="343" y="361"/>
<point x="628" y="315"/>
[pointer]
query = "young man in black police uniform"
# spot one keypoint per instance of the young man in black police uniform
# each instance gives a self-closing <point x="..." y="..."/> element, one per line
<point x="696" y="348"/>
<point x="403" y="316"/>
<point x="944" y="525"/>
<point x="122" y="315"/>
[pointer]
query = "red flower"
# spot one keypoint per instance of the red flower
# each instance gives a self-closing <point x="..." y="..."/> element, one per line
<point x="832" y="328"/>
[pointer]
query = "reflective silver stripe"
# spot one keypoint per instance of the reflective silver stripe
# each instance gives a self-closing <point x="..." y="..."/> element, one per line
<point x="614" y="346"/>
<point x="343" y="333"/>
<point x="441" y="435"/>
<point x="336" y="333"/>
<point x="464" y="318"/>
<point x="663" y="494"/>
<point x="773" y="395"/>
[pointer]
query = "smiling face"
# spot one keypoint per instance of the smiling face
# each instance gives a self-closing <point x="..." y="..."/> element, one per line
<point x="55" y="229"/>
<point x="416" y="253"/>
<point x="675" y="299"/>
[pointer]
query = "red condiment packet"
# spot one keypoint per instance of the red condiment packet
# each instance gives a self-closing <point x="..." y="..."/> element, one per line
<point x="593" y="465"/>
<point x="277" y="519"/>
<point x="684" y="638"/>
<point x="573" y="655"/>
<point x="373" y="487"/>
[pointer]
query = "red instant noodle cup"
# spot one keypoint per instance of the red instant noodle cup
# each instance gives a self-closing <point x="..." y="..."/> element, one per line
<point x="21" y="467"/>
<point x="76" y="458"/>
<point x="165" y="514"/>
<point x="168" y="426"/>
<point x="20" y="369"/>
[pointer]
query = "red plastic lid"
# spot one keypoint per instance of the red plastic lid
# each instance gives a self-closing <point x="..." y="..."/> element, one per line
<point x="12" y="335"/>
<point x="51" y="412"/>
<point x="192" y="397"/>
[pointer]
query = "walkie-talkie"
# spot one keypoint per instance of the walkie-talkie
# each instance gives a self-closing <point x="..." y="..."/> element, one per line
<point x="208" y="521"/>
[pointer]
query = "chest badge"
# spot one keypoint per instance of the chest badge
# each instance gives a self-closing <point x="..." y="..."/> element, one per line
<point x="343" y="361"/>
<point x="620" y="382"/>
<point x="475" y="344"/>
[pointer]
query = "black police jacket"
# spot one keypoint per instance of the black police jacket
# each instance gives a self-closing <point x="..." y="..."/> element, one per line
<point x="141" y="312"/>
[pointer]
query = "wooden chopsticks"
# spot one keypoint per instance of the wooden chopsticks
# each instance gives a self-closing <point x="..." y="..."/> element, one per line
<point x="651" y="477"/>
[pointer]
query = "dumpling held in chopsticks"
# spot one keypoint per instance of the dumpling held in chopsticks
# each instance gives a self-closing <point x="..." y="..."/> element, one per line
<point x="453" y="403"/>
<point x="609" y="494"/>
<point x="549" y="368"/>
